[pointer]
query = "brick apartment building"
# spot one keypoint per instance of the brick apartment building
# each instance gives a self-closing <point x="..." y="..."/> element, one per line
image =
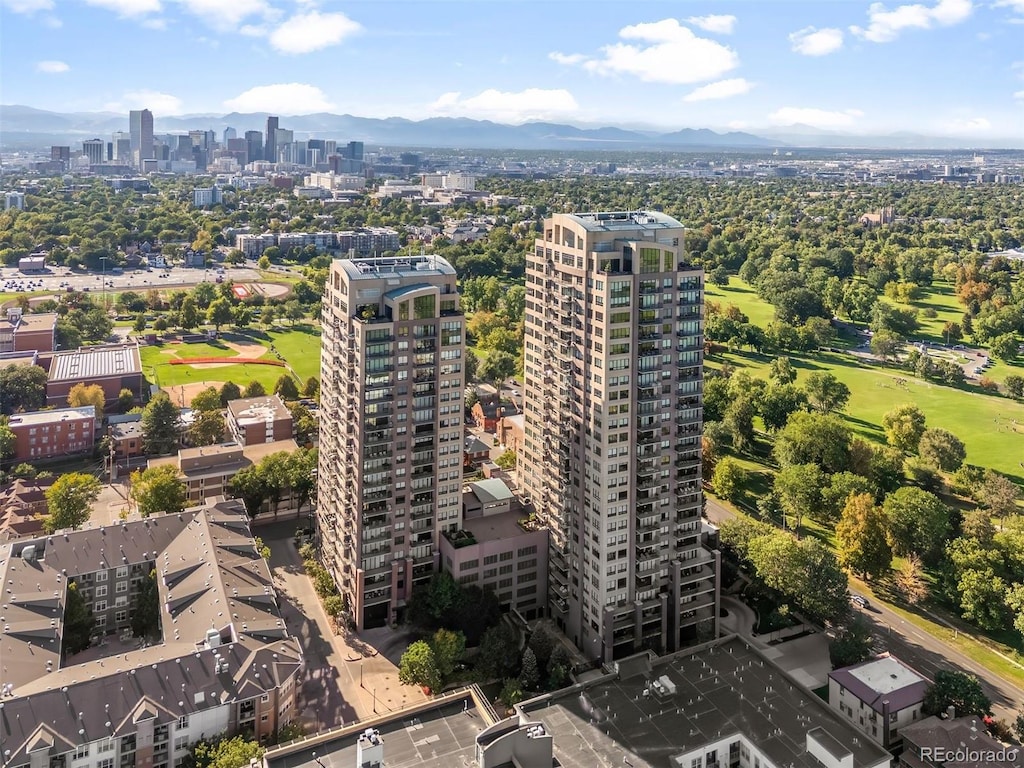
<point x="52" y="434"/>
<point x="20" y="332"/>
<point x="212" y="670"/>
<point x="254" y="420"/>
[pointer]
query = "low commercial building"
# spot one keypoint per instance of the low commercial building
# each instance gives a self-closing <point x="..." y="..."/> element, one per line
<point x="22" y="332"/>
<point x="955" y="742"/>
<point x="498" y="552"/>
<point x="721" y="704"/>
<point x="53" y="434"/>
<point x="34" y="264"/>
<point x="112" y="367"/>
<point x="253" y="420"/>
<point x="880" y="697"/>
<point x="207" y="471"/>
<point x="222" y="661"/>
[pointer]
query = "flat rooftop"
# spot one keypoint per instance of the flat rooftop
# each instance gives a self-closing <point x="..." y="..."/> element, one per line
<point x="883" y="682"/>
<point x="494" y="527"/>
<point x="490" y="490"/>
<point x="886" y="675"/>
<point x="28" y="323"/>
<point x="52" y="417"/>
<point x="402" y="268"/>
<point x="607" y="221"/>
<point x="96" y="362"/>
<point x="440" y="737"/>
<point x="661" y="708"/>
<point x="253" y="410"/>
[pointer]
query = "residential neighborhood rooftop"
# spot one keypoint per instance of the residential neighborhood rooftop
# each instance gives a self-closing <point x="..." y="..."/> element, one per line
<point x="882" y="682"/>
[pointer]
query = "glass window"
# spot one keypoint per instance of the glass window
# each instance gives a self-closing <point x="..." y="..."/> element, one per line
<point x="424" y="307"/>
<point x="403" y="310"/>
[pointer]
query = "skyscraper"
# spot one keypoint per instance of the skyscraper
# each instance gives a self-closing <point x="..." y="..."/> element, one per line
<point x="254" y="144"/>
<point x="613" y="420"/>
<point x="140" y="128"/>
<point x="93" y="149"/>
<point x="391" y="434"/>
<point x="270" y="151"/>
<point x="229" y="134"/>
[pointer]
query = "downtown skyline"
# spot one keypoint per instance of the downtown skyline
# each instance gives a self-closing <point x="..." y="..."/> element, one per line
<point x="944" y="68"/>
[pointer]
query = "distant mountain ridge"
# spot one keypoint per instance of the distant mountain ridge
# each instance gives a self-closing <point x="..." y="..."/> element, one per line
<point x="21" y="122"/>
<point x="23" y="125"/>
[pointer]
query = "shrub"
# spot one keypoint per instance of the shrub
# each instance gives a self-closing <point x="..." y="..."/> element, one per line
<point x="988" y="384"/>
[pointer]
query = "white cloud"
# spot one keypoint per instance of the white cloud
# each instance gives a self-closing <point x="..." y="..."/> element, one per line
<point x="1015" y="5"/>
<point x="157" y="23"/>
<point x="27" y="6"/>
<point x="567" y="58"/>
<point x="665" y="52"/>
<point x="1019" y="95"/>
<point x="227" y="15"/>
<point x="508" y="107"/>
<point x="723" y="89"/>
<point x="884" y="25"/>
<point x="969" y="125"/>
<point x="283" y="98"/>
<point x="52" y="67"/>
<point x="720" y="24"/>
<point x="128" y="8"/>
<point x="819" y="118"/>
<point x="161" y="104"/>
<point x="811" y="41"/>
<point x="307" y="32"/>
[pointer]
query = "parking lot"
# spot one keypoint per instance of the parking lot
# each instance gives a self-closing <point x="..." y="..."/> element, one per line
<point x="62" y="280"/>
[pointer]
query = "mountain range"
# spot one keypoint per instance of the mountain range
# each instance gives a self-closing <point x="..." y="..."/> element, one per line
<point x="22" y="126"/>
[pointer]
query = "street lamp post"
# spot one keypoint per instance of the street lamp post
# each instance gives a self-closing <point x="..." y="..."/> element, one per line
<point x="103" y="288"/>
<point x="375" y="701"/>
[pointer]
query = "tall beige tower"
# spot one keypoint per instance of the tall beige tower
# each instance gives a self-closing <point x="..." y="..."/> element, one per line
<point x="613" y="420"/>
<point x="389" y="479"/>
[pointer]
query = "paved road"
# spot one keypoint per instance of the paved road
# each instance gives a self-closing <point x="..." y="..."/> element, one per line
<point x="179" y="277"/>
<point x="346" y="678"/>
<point x="917" y="648"/>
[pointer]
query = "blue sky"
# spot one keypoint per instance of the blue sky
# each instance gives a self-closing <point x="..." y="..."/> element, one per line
<point x="941" y="67"/>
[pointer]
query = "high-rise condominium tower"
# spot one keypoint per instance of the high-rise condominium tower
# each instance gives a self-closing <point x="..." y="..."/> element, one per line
<point x="391" y="442"/>
<point x="140" y="129"/>
<point x="613" y="421"/>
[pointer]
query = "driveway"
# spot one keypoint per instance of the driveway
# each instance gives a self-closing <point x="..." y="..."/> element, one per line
<point x="345" y="678"/>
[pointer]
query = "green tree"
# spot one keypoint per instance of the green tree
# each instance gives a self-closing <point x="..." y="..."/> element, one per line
<point x="904" y="425"/>
<point x="781" y="371"/>
<point x="777" y="558"/>
<point x="146" y="609"/>
<point x="942" y="449"/>
<point x="241" y="316"/>
<point x="799" y="490"/>
<point x="498" y="367"/>
<point x="304" y="422"/>
<point x="254" y="389"/>
<point x="207" y="400"/>
<point x="983" y="599"/>
<point x="959" y="690"/>
<point x="507" y="461"/>
<point x="160" y="425"/>
<point x="219" y="313"/>
<point x="140" y="322"/>
<point x="125" y="400"/>
<point x="1014" y="385"/>
<point x="1004" y="347"/>
<point x="861" y="538"/>
<point x="230" y="391"/>
<point x="311" y="388"/>
<point x="88" y="394"/>
<point x="208" y="427"/>
<point x="739" y="419"/>
<point x="999" y="494"/>
<point x="188" y="315"/>
<point x="886" y="344"/>
<point x="499" y="653"/>
<point x="851" y="644"/>
<point x="529" y="674"/>
<point x="418" y="666"/>
<point x="79" y="622"/>
<point x="840" y="487"/>
<point x="917" y="523"/>
<point x="8" y="440"/>
<point x="223" y="752"/>
<point x="728" y="478"/>
<point x="826" y="392"/>
<point x="22" y="388"/>
<point x="69" y="501"/>
<point x="286" y="387"/>
<point x="814" y="438"/>
<point x="511" y="692"/>
<point x="158" y="490"/>
<point x="448" y="648"/>
<point x="822" y="594"/>
<point x="777" y="402"/>
<point x="249" y="485"/>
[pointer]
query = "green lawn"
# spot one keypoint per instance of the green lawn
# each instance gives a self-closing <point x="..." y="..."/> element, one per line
<point x="743" y="296"/>
<point x="942" y="299"/>
<point x="300" y="347"/>
<point x="158" y="369"/>
<point x="984" y="422"/>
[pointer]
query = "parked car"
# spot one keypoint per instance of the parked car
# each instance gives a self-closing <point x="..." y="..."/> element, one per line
<point x="859" y="600"/>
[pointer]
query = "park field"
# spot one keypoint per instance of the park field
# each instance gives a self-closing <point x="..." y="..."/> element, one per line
<point x="992" y="427"/>
<point x="298" y="347"/>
